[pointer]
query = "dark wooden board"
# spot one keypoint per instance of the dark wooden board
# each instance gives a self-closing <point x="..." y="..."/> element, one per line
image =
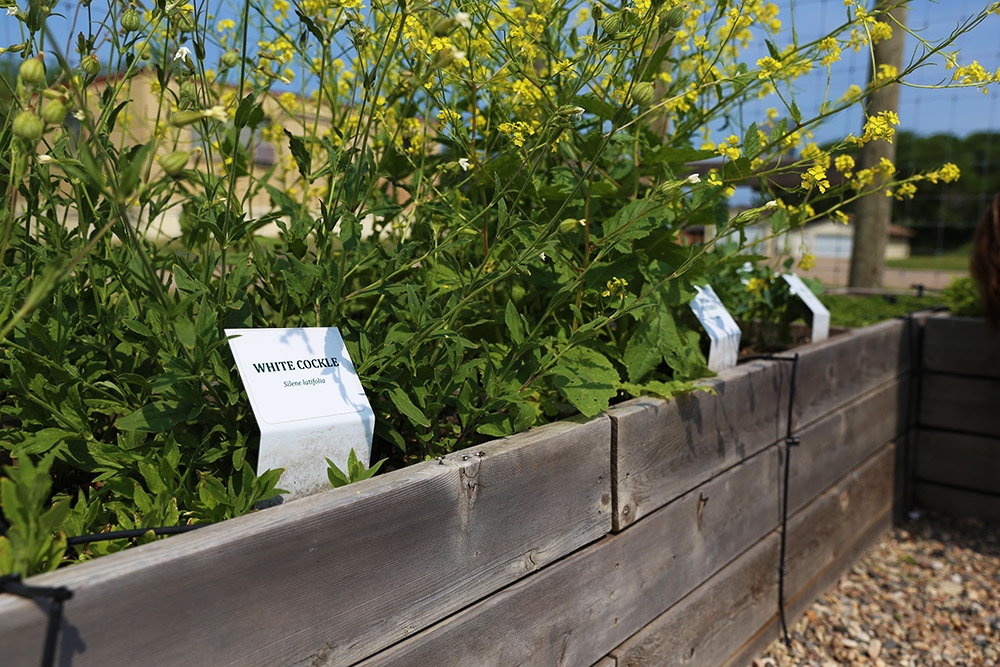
<point x="706" y="626"/>
<point x="956" y="502"/>
<point x="579" y="609"/>
<point x="961" y="345"/>
<point x="733" y="616"/>
<point x="663" y="449"/>
<point x="838" y="370"/>
<point x="832" y="446"/>
<point x="965" y="404"/>
<point x="965" y="461"/>
<point x="334" y="577"/>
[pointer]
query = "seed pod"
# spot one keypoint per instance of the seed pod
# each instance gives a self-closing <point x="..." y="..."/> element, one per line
<point x="130" y="20"/>
<point x="91" y="65"/>
<point x="174" y="163"/>
<point x="54" y="112"/>
<point x="230" y="59"/>
<point x="674" y="18"/>
<point x="188" y="95"/>
<point x="28" y="126"/>
<point x="182" y="118"/>
<point x="185" y="21"/>
<point x="32" y="71"/>
<point x="642" y="94"/>
<point x="613" y="23"/>
<point x="444" y="27"/>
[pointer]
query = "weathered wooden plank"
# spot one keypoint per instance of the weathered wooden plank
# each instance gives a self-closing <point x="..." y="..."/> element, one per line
<point x="733" y="616"/>
<point x="579" y="609"/>
<point x="816" y="534"/>
<point x="965" y="461"/>
<point x="965" y="404"/>
<point x="956" y="502"/>
<point x="335" y="577"/>
<point x="663" y="449"/>
<point x="961" y="345"/>
<point x="714" y="620"/>
<point x="848" y="555"/>
<point x="605" y="662"/>
<point x="838" y="370"/>
<point x="833" y="445"/>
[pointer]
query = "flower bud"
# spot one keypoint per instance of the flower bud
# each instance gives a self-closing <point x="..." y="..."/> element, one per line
<point x="613" y="23"/>
<point x="182" y="118"/>
<point x="90" y="65"/>
<point x="642" y="94"/>
<point x="674" y="18"/>
<point x="174" y="163"/>
<point x="570" y="224"/>
<point x="444" y="27"/>
<point x="32" y="71"/>
<point x="230" y="59"/>
<point x="184" y="21"/>
<point x="54" y="112"/>
<point x="28" y="126"/>
<point x="130" y="20"/>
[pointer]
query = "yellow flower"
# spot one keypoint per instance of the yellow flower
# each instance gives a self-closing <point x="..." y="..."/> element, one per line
<point x="949" y="172"/>
<point x="756" y="285"/>
<point x="616" y="288"/>
<point x="839" y="216"/>
<point x="844" y="164"/>
<point x="815" y="176"/>
<point x="880" y="126"/>
<point x="768" y="67"/>
<point x="808" y="261"/>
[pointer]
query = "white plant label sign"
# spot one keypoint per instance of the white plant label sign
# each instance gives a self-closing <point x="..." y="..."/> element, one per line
<point x="820" y="313"/>
<point x="722" y="330"/>
<point x="308" y="401"/>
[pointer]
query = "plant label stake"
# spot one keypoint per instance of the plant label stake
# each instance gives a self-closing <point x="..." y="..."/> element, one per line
<point x="308" y="401"/>
<point x="720" y="326"/>
<point x="820" y="314"/>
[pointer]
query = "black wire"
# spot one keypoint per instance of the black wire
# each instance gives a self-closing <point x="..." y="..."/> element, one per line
<point x="135" y="532"/>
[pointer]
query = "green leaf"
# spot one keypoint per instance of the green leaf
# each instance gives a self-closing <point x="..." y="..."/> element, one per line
<point x="586" y="379"/>
<point x="156" y="417"/>
<point x="794" y="112"/>
<point x="406" y="406"/>
<point x="300" y="153"/>
<point x="655" y="338"/>
<point x="513" y="322"/>
<point x="751" y="142"/>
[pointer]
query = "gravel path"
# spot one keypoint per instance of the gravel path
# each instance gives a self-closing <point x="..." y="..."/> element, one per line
<point x="927" y="594"/>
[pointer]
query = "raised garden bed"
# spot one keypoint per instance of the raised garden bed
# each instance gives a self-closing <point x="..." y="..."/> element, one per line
<point x="649" y="535"/>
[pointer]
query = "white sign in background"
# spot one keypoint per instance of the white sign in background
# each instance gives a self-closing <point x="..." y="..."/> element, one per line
<point x="820" y="313"/>
<point x="722" y="330"/>
<point x="308" y="401"/>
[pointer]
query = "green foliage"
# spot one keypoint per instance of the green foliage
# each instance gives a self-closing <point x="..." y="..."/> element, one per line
<point x="356" y="471"/>
<point x="35" y="541"/>
<point x="760" y="300"/>
<point x="863" y="311"/>
<point x="962" y="297"/>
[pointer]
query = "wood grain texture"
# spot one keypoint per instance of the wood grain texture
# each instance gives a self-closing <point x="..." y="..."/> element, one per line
<point x="663" y="449"/>
<point x="715" y="619"/>
<point x="579" y="609"/>
<point x="605" y="662"/>
<point x="961" y="345"/>
<point x="733" y="616"/>
<point x="965" y="404"/>
<point x="836" y="371"/>
<point x="965" y="461"/>
<point x="956" y="502"/>
<point x="835" y="444"/>
<point x="331" y="578"/>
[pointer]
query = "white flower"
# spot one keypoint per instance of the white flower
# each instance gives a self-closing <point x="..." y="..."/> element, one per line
<point x="542" y="256"/>
<point x="771" y="204"/>
<point x="464" y="163"/>
<point x="46" y="159"/>
<point x="12" y="11"/>
<point x="182" y="53"/>
<point x="80" y="114"/>
<point x="693" y="179"/>
<point x="463" y="19"/>
<point x="216" y="112"/>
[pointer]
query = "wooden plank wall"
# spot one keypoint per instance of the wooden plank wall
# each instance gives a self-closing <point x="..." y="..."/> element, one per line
<point x="689" y="575"/>
<point x="957" y="442"/>
<point x="334" y="577"/>
<point x="650" y="536"/>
